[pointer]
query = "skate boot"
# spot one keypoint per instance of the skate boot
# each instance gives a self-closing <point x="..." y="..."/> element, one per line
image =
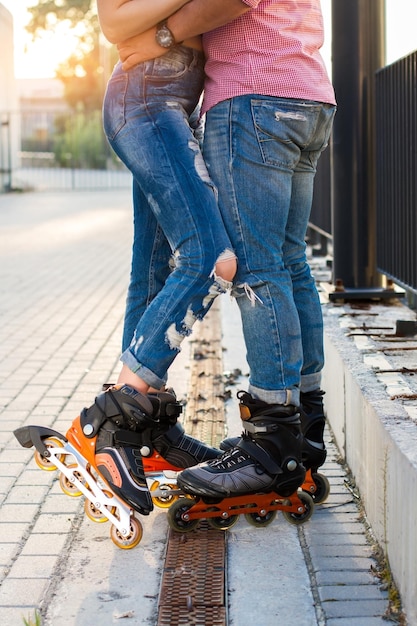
<point x="314" y="450"/>
<point x="266" y="458"/>
<point x="257" y="477"/>
<point x="105" y="445"/>
<point x="107" y="435"/>
<point x="99" y="457"/>
<point x="166" y="449"/>
<point x="141" y="437"/>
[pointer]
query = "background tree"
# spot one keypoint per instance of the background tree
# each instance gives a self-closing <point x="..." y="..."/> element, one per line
<point x="79" y="139"/>
<point x="85" y="72"/>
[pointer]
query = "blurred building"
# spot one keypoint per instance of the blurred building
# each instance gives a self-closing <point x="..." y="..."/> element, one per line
<point x="41" y="101"/>
<point x="9" y="127"/>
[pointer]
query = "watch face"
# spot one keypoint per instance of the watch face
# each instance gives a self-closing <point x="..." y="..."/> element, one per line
<point x="164" y="37"/>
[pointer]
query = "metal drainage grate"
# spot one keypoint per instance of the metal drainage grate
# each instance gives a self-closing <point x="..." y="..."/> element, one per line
<point x="194" y="579"/>
<point x="193" y="586"/>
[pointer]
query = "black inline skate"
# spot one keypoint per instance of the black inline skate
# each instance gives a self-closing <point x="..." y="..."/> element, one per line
<point x="313" y="448"/>
<point x="258" y="476"/>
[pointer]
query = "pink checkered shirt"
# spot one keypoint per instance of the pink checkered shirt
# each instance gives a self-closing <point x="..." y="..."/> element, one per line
<point x="272" y="50"/>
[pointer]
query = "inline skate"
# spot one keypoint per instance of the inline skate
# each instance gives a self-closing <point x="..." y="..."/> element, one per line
<point x="257" y="477"/>
<point x="166" y="450"/>
<point x="313" y="447"/>
<point x="102" y="456"/>
<point x="314" y="450"/>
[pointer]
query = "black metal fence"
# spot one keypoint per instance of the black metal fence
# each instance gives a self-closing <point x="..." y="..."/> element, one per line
<point x="51" y="150"/>
<point x="396" y="177"/>
<point x="396" y="136"/>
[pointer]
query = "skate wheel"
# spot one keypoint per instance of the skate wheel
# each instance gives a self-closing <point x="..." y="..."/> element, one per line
<point x="256" y="519"/>
<point x="176" y="514"/>
<point x="43" y="462"/>
<point x="68" y="487"/>
<point x="94" y="514"/>
<point x="165" y="501"/>
<point x="300" y="518"/>
<point x="222" y="524"/>
<point x="132" y="539"/>
<point x="322" y="488"/>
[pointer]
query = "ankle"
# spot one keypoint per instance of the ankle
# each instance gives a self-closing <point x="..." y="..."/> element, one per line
<point x="129" y="378"/>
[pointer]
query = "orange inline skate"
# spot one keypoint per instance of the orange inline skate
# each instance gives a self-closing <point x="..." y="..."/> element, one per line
<point x="111" y="452"/>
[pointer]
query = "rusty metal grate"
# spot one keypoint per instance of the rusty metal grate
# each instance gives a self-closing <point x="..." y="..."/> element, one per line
<point x="193" y="586"/>
<point x="194" y="579"/>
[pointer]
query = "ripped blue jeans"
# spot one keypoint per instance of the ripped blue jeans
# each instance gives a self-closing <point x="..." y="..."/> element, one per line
<point x="262" y="153"/>
<point x="178" y="231"/>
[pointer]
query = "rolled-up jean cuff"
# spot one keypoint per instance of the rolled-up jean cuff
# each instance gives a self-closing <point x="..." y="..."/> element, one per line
<point x="310" y="382"/>
<point x="140" y="370"/>
<point x="278" y="396"/>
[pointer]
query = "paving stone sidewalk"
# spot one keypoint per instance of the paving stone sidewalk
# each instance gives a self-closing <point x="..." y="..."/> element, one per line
<point x="64" y="263"/>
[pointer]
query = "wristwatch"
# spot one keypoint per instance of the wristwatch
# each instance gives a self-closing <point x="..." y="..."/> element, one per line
<point x="164" y="36"/>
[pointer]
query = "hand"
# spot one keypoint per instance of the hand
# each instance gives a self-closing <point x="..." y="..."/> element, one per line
<point x="139" y="48"/>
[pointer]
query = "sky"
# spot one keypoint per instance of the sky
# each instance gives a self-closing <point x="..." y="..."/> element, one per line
<point x="39" y="59"/>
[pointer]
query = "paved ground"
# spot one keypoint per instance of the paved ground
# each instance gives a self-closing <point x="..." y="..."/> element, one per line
<point x="64" y="262"/>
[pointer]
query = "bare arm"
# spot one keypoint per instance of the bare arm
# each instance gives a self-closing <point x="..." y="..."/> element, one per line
<point x="121" y="19"/>
<point x="200" y="16"/>
<point x="194" y="18"/>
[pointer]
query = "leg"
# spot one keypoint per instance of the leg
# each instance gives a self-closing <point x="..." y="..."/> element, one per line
<point x="255" y="185"/>
<point x="149" y="129"/>
<point x="178" y="209"/>
<point x="306" y="297"/>
<point x="294" y="253"/>
<point x="254" y="149"/>
<point x="150" y="266"/>
<point x="187" y="214"/>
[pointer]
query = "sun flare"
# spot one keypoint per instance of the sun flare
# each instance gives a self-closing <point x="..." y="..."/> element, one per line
<point x="40" y="59"/>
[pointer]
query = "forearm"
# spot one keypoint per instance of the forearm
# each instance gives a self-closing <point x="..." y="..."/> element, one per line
<point x="194" y="18"/>
<point x="200" y="16"/>
<point x="121" y="19"/>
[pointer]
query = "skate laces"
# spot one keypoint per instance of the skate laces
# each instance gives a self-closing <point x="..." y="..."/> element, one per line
<point x="230" y="457"/>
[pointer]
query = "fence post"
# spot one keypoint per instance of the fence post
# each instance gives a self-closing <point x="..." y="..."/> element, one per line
<point x="5" y="153"/>
<point x="358" y="50"/>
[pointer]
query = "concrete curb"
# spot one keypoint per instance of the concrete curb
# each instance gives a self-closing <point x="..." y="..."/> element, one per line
<point x="371" y="408"/>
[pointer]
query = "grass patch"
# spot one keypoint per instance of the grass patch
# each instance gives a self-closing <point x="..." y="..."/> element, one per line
<point x="36" y="620"/>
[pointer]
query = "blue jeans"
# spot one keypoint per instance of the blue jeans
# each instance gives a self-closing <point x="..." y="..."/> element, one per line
<point x="146" y="116"/>
<point x="262" y="153"/>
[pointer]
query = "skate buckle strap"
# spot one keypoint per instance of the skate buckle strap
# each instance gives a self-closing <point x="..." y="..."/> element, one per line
<point x="318" y="445"/>
<point x="263" y="426"/>
<point x="129" y="438"/>
<point x="173" y="409"/>
<point x="91" y="420"/>
<point x="119" y="438"/>
<point x="104" y="408"/>
<point x="253" y="429"/>
<point x="259" y="454"/>
<point x="165" y="404"/>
